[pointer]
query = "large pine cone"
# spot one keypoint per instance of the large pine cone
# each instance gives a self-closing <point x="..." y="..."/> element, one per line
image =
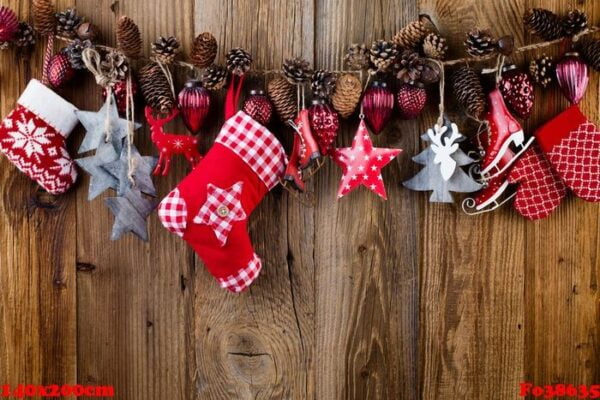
<point x="204" y="50"/>
<point x="480" y="43"/>
<point x="590" y="52"/>
<point x="383" y="54"/>
<point x="357" y="57"/>
<point x="434" y="46"/>
<point x="67" y="22"/>
<point x="296" y="70"/>
<point x="346" y="95"/>
<point x="155" y="88"/>
<point x="283" y="96"/>
<point x="575" y="22"/>
<point x="43" y="17"/>
<point x="165" y="49"/>
<point x="25" y="36"/>
<point x="410" y="67"/>
<point x="323" y="84"/>
<point x="215" y="77"/>
<point x="238" y="61"/>
<point x="129" y="40"/>
<point x="469" y="92"/>
<point x="544" y="23"/>
<point x="542" y="70"/>
<point x="75" y="52"/>
<point x="412" y="35"/>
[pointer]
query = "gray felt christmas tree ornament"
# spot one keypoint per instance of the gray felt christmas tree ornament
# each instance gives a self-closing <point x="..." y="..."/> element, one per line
<point x="442" y="159"/>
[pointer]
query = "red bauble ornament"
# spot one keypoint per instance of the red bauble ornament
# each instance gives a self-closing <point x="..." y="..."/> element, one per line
<point x="411" y="100"/>
<point x="9" y="24"/>
<point x="378" y="105"/>
<point x="573" y="77"/>
<point x="325" y="125"/>
<point x="60" y="70"/>
<point x="194" y="103"/>
<point x="517" y="89"/>
<point x="259" y="107"/>
<point x="119" y="89"/>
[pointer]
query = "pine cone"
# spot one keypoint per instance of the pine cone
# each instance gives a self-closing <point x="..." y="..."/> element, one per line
<point x="9" y="24"/>
<point x="115" y="65"/>
<point x="283" y="96"/>
<point x="410" y="67"/>
<point x="238" y="61"/>
<point x="357" y="57"/>
<point x="215" y="77"/>
<point x="323" y="84"/>
<point x="575" y="22"/>
<point x="25" y="36"/>
<point x="67" y="22"/>
<point x="412" y="35"/>
<point x="469" y="92"/>
<point x="296" y="70"/>
<point x="434" y="46"/>
<point x="204" y="50"/>
<point x="480" y="43"/>
<point x="43" y="17"/>
<point x="129" y="40"/>
<point x="383" y="54"/>
<point x="346" y="95"/>
<point x="75" y="50"/>
<point x="542" y="70"/>
<point x="590" y="52"/>
<point x="155" y="88"/>
<point x="165" y="49"/>
<point x="544" y="23"/>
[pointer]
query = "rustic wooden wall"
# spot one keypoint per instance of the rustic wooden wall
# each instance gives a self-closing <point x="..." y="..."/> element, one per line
<point x="359" y="299"/>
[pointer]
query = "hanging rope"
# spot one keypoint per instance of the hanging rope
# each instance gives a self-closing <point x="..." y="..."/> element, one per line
<point x="130" y="115"/>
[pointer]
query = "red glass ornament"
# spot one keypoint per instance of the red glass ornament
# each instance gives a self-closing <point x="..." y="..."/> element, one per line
<point x="517" y="89"/>
<point x="573" y="77"/>
<point x="194" y="103"/>
<point x="378" y="105"/>
<point x="119" y="89"/>
<point x="259" y="107"/>
<point x="411" y="100"/>
<point x="60" y="70"/>
<point x="325" y="125"/>
<point x="9" y="24"/>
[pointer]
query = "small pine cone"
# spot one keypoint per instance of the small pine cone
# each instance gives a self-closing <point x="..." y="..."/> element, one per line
<point x="129" y="40"/>
<point x="283" y="96"/>
<point x="412" y="35"/>
<point x="9" y="24"/>
<point x="410" y="67"/>
<point x="469" y="92"/>
<point x="480" y="43"/>
<point x="155" y="88"/>
<point x="67" y="22"/>
<point x="346" y="95"/>
<point x="238" y="61"/>
<point x="215" y="77"/>
<point x="25" y="36"/>
<point x="75" y="52"/>
<point x="296" y="70"/>
<point x="43" y="17"/>
<point x="165" y="49"/>
<point x="575" y="22"/>
<point x="204" y="50"/>
<point x="542" y="70"/>
<point x="544" y="23"/>
<point x="323" y="84"/>
<point x="590" y="52"/>
<point x="383" y="54"/>
<point x="434" y="46"/>
<point x="115" y="65"/>
<point x="357" y="57"/>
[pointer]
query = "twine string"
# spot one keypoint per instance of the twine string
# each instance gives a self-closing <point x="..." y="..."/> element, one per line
<point x="165" y="69"/>
<point x="130" y="115"/>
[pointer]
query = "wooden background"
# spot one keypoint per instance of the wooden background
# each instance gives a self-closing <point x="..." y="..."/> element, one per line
<point x="359" y="299"/>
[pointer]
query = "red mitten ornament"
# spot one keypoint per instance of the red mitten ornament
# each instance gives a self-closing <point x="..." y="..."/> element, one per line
<point x="572" y="145"/>
<point x="540" y="190"/>
<point x="33" y="137"/>
<point x="209" y="209"/>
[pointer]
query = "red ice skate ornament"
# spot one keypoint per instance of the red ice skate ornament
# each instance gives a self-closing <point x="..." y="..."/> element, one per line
<point x="169" y="144"/>
<point x="305" y="151"/>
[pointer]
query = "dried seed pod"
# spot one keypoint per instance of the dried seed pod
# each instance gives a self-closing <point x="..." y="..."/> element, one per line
<point x="412" y="35"/>
<point x="357" y="57"/>
<point x="346" y="95"/>
<point x="323" y="84"/>
<point x="67" y="22"/>
<point x="575" y="22"/>
<point x="166" y="49"/>
<point x="283" y="96"/>
<point x="204" y="50"/>
<point x="469" y="91"/>
<point x="434" y="46"/>
<point x="155" y="88"/>
<point x="43" y="17"/>
<point x="383" y="54"/>
<point x="25" y="36"/>
<point x="480" y="43"/>
<point x="215" y="77"/>
<point x="129" y="39"/>
<point x="544" y="23"/>
<point x="75" y="52"/>
<point x="296" y="70"/>
<point x="115" y="65"/>
<point x="409" y="67"/>
<point x="238" y="61"/>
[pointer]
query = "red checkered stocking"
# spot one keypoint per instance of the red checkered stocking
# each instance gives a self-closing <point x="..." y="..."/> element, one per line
<point x="210" y="207"/>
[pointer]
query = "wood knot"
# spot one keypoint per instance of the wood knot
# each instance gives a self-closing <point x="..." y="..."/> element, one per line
<point x="85" y="267"/>
<point x="249" y="359"/>
<point x="44" y="200"/>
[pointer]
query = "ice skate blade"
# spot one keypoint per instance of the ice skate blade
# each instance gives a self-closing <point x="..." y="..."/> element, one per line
<point x="499" y="171"/>
<point x="314" y="157"/>
<point x="469" y="207"/>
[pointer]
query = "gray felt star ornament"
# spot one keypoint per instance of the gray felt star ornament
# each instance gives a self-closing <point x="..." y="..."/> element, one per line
<point x="142" y="172"/>
<point x="100" y="179"/>
<point x="95" y="124"/>
<point x="131" y="212"/>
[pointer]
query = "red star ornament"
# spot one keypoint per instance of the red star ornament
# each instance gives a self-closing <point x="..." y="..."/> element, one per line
<point x="362" y="163"/>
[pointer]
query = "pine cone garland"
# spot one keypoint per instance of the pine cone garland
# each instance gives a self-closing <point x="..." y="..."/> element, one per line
<point x="357" y="57"/>
<point x="43" y="17"/>
<point x="129" y="39"/>
<point x="215" y="77"/>
<point x="25" y="36"/>
<point x="590" y="52"/>
<point x="412" y="35"/>
<point x="542" y="70"/>
<point x="434" y="46"/>
<point x="575" y="22"/>
<point x="9" y="24"/>
<point x="469" y="91"/>
<point x="115" y="65"/>
<point x="204" y="50"/>
<point x="67" y="22"/>
<point x="238" y="61"/>
<point x="283" y="96"/>
<point x="323" y="84"/>
<point x="544" y="23"/>
<point x="480" y="43"/>
<point x="383" y="54"/>
<point x="346" y="95"/>
<point x="166" y="49"/>
<point x="410" y="67"/>
<point x="155" y="88"/>
<point x="296" y="70"/>
<point x="75" y="51"/>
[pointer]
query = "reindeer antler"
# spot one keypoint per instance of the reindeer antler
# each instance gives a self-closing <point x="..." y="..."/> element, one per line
<point x="160" y="121"/>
